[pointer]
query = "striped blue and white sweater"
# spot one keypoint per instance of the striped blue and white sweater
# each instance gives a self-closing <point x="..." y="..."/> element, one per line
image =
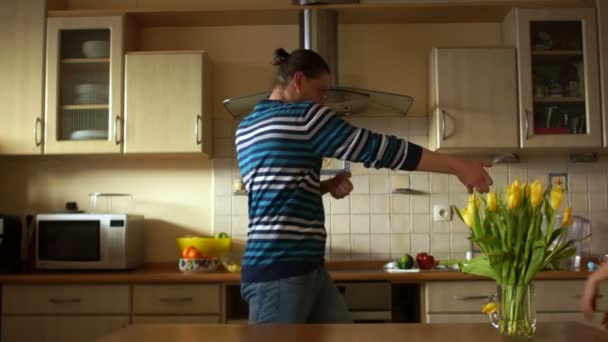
<point x="280" y="149"/>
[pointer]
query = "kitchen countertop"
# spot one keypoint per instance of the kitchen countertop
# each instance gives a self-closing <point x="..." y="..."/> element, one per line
<point x="168" y="273"/>
<point x="463" y="332"/>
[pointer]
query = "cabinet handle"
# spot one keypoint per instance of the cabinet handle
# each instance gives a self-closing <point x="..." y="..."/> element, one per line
<point x="443" y="137"/>
<point x="176" y="299"/>
<point x="65" y="300"/>
<point x="527" y="115"/>
<point x="36" y="125"/>
<point x="471" y="297"/>
<point x="117" y="122"/>
<point x="199" y="119"/>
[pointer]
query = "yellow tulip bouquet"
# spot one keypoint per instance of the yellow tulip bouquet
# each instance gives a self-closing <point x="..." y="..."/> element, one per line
<point x="514" y="247"/>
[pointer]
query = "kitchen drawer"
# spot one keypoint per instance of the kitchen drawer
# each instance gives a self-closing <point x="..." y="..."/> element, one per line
<point x="457" y="318"/>
<point x="175" y="319"/>
<point x="65" y="299"/>
<point x="60" y="328"/>
<point x="458" y="296"/>
<point x="564" y="295"/>
<point x="176" y="299"/>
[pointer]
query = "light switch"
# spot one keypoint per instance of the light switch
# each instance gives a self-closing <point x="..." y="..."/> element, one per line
<point x="442" y="212"/>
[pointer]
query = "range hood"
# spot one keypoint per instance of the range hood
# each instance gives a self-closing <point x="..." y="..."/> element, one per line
<point x="319" y="32"/>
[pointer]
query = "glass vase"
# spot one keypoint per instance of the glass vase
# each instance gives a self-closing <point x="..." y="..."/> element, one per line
<point x="515" y="313"/>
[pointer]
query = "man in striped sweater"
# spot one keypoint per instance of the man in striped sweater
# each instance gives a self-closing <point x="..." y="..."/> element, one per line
<point x="280" y="148"/>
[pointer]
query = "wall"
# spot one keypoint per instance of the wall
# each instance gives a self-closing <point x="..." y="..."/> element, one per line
<point x="374" y="223"/>
<point x="181" y="195"/>
<point x="174" y="194"/>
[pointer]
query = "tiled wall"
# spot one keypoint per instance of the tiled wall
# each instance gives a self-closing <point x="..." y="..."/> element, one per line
<point x="375" y="223"/>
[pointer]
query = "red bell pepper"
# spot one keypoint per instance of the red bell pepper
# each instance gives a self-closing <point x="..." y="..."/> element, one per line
<point x="425" y="261"/>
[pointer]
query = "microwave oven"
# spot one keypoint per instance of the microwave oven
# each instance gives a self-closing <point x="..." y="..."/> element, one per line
<point x="87" y="241"/>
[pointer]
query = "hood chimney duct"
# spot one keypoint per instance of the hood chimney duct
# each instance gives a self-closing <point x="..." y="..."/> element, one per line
<point x="319" y="32"/>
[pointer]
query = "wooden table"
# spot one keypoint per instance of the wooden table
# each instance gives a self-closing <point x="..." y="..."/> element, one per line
<point x="549" y="332"/>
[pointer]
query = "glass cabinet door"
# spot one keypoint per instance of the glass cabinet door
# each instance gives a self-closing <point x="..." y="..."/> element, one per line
<point x="559" y="86"/>
<point x="84" y="85"/>
<point x="84" y="79"/>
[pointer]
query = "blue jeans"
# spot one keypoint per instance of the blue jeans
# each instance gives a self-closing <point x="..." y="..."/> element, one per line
<point x="309" y="298"/>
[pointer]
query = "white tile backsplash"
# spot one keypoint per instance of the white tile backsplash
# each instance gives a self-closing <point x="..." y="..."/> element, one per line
<point x="420" y="182"/>
<point x="380" y="184"/>
<point x="400" y="244"/>
<point x="458" y="226"/>
<point x="239" y="205"/>
<point x="340" y="206"/>
<point x="222" y="223"/>
<point x="578" y="182"/>
<point x="361" y="184"/>
<point x="222" y="205"/>
<point x="460" y="244"/>
<point x="359" y="224"/>
<point x="359" y="169"/>
<point x="222" y="185"/>
<point x="359" y="204"/>
<point x="380" y="204"/>
<point x="440" y="227"/>
<point x="599" y="200"/>
<point x="380" y="223"/>
<point x="240" y="225"/>
<point x="373" y="223"/>
<point x="360" y="243"/>
<point x="579" y="201"/>
<point x="340" y="224"/>
<point x="440" y="183"/>
<point x="340" y="245"/>
<point x="400" y="204"/>
<point x="380" y="244"/>
<point x="440" y="243"/>
<point x="420" y="243"/>
<point x="420" y="204"/>
<point x="400" y="223"/>
<point x="420" y="223"/>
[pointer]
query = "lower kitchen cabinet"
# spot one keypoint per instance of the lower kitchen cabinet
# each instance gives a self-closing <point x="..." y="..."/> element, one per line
<point x="462" y="301"/>
<point x="177" y="299"/>
<point x="176" y="319"/>
<point x="63" y="313"/>
<point x="60" y="328"/>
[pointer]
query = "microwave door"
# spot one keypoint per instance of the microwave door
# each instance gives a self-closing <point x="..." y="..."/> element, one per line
<point x="65" y="244"/>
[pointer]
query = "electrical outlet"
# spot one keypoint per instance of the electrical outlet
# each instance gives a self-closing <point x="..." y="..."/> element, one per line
<point x="442" y="212"/>
<point x="559" y="179"/>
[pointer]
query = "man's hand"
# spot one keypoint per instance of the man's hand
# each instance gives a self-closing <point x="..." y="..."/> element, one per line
<point x="588" y="299"/>
<point x="473" y="175"/>
<point x="338" y="186"/>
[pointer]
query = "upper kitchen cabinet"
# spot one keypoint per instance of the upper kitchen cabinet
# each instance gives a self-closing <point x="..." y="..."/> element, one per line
<point x="168" y="103"/>
<point x="559" y="96"/>
<point x="473" y="99"/>
<point x="602" y="15"/>
<point x="21" y="81"/>
<point x="84" y="69"/>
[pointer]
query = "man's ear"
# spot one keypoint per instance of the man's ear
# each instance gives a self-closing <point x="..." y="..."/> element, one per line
<point x="297" y="79"/>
